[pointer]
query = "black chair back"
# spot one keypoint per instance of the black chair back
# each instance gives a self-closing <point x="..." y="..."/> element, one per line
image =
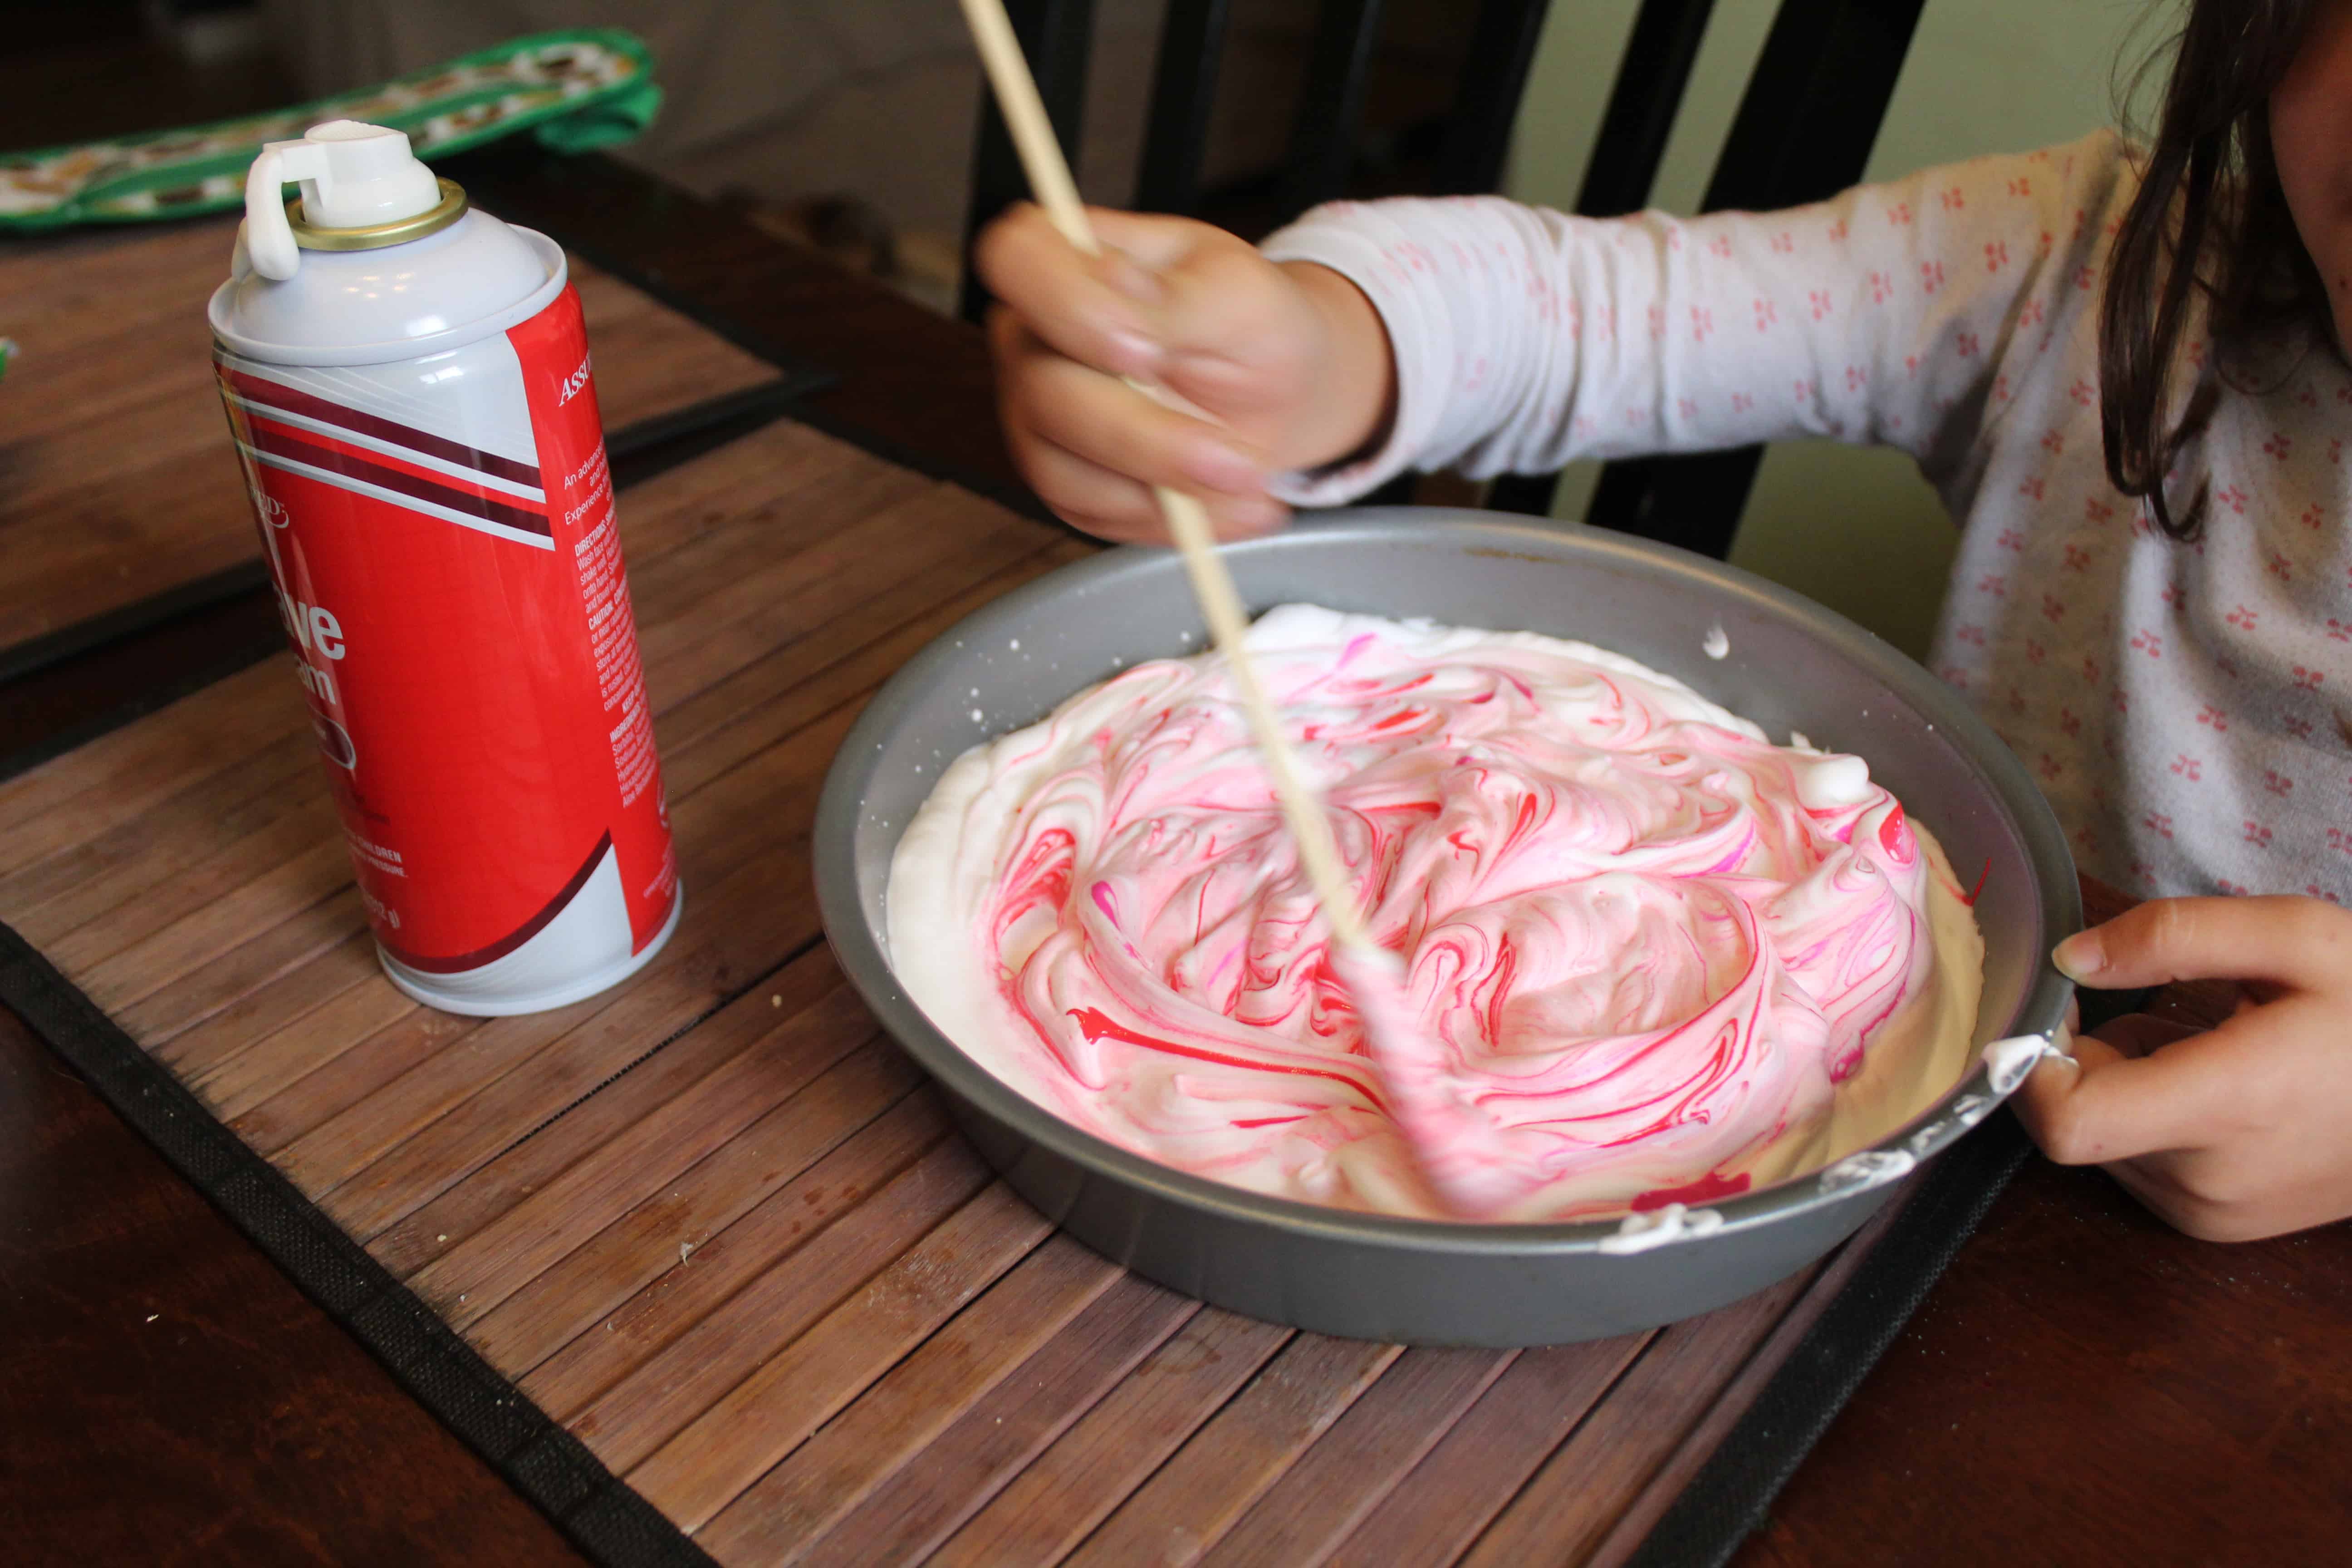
<point x="1326" y="136"/>
<point x="1056" y="36"/>
<point x="1803" y="131"/>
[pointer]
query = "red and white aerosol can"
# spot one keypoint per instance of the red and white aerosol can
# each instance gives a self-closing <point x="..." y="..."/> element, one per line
<point x="408" y="385"/>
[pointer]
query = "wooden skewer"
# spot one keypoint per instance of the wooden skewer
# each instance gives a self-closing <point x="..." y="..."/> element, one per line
<point x="1442" y="1133"/>
<point x="1188" y="521"/>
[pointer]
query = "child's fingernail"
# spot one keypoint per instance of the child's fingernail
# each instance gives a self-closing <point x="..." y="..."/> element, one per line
<point x="1130" y="277"/>
<point x="1225" y="466"/>
<point x="2080" y="956"/>
<point x="1247" y="519"/>
<point x="1137" y="352"/>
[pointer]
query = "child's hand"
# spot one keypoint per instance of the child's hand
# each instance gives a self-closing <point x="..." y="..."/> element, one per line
<point x="1289" y="365"/>
<point x="2233" y="1133"/>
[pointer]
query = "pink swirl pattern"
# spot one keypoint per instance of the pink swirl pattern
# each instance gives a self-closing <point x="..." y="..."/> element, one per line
<point x="1646" y="949"/>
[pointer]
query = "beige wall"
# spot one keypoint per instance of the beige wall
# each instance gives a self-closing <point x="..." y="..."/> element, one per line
<point x="1857" y="530"/>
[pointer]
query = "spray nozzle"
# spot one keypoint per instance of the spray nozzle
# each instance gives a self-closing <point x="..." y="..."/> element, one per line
<point x="353" y="177"/>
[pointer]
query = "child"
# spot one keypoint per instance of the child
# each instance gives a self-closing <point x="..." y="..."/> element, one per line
<point x="2123" y="370"/>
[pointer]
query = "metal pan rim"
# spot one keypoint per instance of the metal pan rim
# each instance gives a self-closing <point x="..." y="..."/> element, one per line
<point x="860" y="952"/>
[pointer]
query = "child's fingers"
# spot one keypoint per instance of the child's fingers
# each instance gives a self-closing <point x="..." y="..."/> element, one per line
<point x="1165" y="296"/>
<point x="1099" y="310"/>
<point x="1224" y="312"/>
<point x="2293" y="942"/>
<point x="2115" y="1105"/>
<point x="2210" y="1194"/>
<point x="2041" y="1100"/>
<point x="1112" y="506"/>
<point x="2079" y="1121"/>
<point x="1086" y="495"/>
<point x="1109" y="423"/>
<point x="2153" y="1182"/>
<point x="2138" y="1034"/>
<point x="1149" y="240"/>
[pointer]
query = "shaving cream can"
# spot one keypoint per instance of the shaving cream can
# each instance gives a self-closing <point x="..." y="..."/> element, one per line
<point x="410" y="393"/>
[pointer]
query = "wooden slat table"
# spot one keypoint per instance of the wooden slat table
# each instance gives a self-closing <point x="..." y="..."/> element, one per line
<point x="168" y="1395"/>
<point x="2085" y="1388"/>
<point x="715" y="1225"/>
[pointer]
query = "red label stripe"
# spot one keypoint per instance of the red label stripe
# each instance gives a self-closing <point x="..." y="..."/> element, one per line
<point x="458" y="963"/>
<point x="279" y="443"/>
<point x="246" y="418"/>
<point x="275" y="395"/>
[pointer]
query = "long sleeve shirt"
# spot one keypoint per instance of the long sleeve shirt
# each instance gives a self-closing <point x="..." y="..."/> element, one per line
<point x="2187" y="708"/>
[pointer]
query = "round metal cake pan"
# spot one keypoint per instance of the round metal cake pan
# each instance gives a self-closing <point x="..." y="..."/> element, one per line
<point x="1792" y="665"/>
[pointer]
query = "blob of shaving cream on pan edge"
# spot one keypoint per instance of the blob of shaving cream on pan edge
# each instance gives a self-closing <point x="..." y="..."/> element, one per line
<point x="1669" y="960"/>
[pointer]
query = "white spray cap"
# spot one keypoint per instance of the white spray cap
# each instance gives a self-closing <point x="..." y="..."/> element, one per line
<point x="353" y="177"/>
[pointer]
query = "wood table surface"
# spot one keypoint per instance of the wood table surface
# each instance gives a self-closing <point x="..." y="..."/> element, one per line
<point x="2083" y="1386"/>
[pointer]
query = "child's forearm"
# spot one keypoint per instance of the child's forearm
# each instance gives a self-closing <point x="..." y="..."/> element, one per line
<point x="1522" y="340"/>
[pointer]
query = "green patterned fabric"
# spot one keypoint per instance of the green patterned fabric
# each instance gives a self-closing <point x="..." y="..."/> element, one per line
<point x="575" y="91"/>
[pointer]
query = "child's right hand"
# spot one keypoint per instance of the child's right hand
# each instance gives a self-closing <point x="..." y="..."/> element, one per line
<point x="1288" y="366"/>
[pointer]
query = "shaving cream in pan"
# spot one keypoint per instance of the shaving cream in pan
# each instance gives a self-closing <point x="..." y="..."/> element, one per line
<point x="1665" y="959"/>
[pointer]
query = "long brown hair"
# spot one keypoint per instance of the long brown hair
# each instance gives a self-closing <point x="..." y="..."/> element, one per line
<point x="2210" y="220"/>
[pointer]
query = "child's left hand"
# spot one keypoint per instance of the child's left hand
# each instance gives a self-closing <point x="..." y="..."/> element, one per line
<point x="2232" y="1133"/>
